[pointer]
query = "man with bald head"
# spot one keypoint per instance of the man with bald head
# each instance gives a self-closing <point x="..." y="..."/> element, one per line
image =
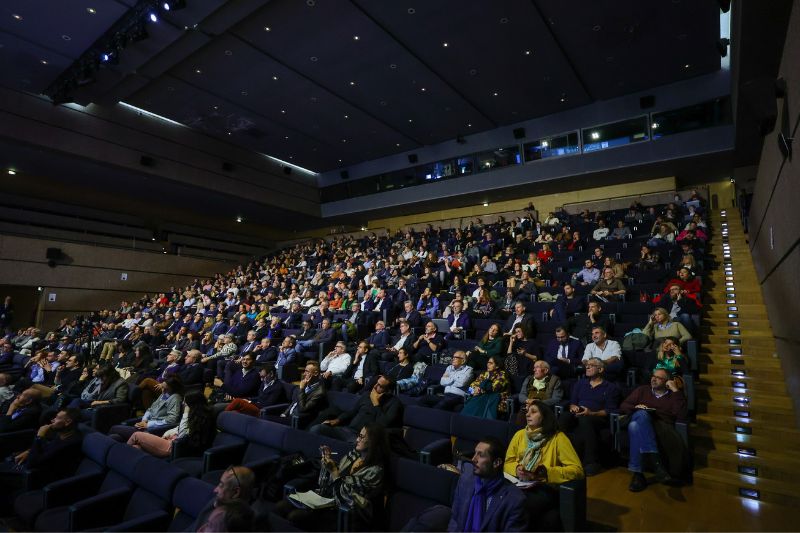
<point x="23" y="412"/>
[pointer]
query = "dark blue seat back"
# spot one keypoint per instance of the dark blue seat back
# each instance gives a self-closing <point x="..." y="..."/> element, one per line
<point x="155" y="483"/>
<point x="265" y="440"/>
<point x="189" y="498"/>
<point x="95" y="448"/>
<point x="425" y="425"/>
<point x="417" y="487"/>
<point x="469" y="430"/>
<point x="122" y="461"/>
<point x="343" y="400"/>
<point x="308" y="444"/>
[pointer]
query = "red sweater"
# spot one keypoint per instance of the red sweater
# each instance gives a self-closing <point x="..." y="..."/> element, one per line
<point x="670" y="407"/>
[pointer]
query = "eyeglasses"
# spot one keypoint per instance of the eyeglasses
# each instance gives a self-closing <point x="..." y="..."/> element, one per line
<point x="232" y="470"/>
<point x="659" y="378"/>
<point x="593" y="366"/>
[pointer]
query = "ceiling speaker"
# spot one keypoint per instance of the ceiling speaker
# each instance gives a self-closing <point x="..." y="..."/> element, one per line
<point x="519" y="133"/>
<point x="147" y="161"/>
<point x="287" y="170"/>
<point x="344" y="174"/>
<point x="646" y="102"/>
<point x="412" y="158"/>
<point x="227" y="167"/>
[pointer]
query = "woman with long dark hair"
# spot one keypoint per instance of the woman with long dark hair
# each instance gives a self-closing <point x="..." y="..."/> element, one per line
<point x="540" y="452"/>
<point x="356" y="483"/>
<point x="194" y="433"/>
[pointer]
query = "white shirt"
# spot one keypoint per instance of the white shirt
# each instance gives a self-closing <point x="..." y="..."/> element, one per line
<point x="400" y="342"/>
<point x="611" y="349"/>
<point x="336" y="364"/>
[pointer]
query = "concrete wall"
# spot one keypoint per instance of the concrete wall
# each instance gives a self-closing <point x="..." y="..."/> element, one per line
<point x="775" y="222"/>
<point x="90" y="277"/>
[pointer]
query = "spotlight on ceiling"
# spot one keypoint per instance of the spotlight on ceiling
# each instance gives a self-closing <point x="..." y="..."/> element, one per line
<point x="153" y="17"/>
<point x="12" y="172"/>
<point x="239" y="219"/>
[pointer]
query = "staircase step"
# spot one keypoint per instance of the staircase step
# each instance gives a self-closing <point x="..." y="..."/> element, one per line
<point x="769" y="490"/>
<point x="768" y="413"/>
<point x="752" y="371"/>
<point x="750" y="384"/>
<point x="757" y="397"/>
<point x="771" y="441"/>
<point x="729" y="423"/>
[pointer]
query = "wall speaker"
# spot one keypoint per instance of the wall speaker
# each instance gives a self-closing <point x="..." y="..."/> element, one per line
<point x="287" y="170"/>
<point x="760" y="100"/>
<point x="344" y="175"/>
<point x="412" y="158"/>
<point x="147" y="161"/>
<point x="460" y="139"/>
<point x="646" y="102"/>
<point x="53" y="255"/>
<point x="519" y="133"/>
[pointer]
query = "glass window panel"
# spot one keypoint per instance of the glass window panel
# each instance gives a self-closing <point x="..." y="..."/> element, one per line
<point x="715" y="112"/>
<point x="615" y="134"/>
<point x="498" y="158"/>
<point x="556" y="146"/>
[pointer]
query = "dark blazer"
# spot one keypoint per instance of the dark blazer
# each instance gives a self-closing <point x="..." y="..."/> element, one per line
<point x="271" y="395"/>
<point x="413" y="318"/>
<point x="317" y="317"/>
<point x="191" y="374"/>
<point x="408" y="344"/>
<point x="506" y="510"/>
<point x="269" y="354"/>
<point x="307" y="403"/>
<point x="528" y="324"/>
<point x="293" y="321"/>
<point x="28" y="418"/>
<point x="379" y="339"/>
<point x="574" y="352"/>
<point x="463" y="322"/>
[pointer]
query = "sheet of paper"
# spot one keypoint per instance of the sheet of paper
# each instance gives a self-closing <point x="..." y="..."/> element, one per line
<point x="312" y="500"/>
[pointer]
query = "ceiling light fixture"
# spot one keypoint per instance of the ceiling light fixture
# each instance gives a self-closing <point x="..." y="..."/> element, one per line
<point x="198" y="71"/>
<point x="43" y="61"/>
<point x="153" y="17"/>
<point x="352" y="83"/>
<point x="267" y="28"/>
<point x="12" y="172"/>
<point x="594" y="135"/>
<point x="687" y="65"/>
<point x="527" y="52"/>
<point x="494" y="94"/>
<point x="239" y="219"/>
<point x="445" y="45"/>
<point x="347" y="116"/>
<point x="17" y="17"/>
<point x="91" y="10"/>
<point x="356" y="37"/>
<point x="66" y="37"/>
<point x="423" y="89"/>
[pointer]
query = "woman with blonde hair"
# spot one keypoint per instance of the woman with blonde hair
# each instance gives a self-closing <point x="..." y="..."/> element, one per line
<point x="660" y="326"/>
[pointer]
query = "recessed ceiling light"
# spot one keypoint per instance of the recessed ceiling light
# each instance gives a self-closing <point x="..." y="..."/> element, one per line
<point x="66" y="37"/>
<point x="411" y="10"/>
<point x="392" y="66"/>
<point x="352" y="83"/>
<point x="12" y="172"/>
<point x="469" y="125"/>
<point x="229" y="133"/>
<point x="356" y="37"/>
<point x="504" y="20"/>
<point x="473" y="71"/>
<point x="244" y="93"/>
<point x="314" y="58"/>
<point x="198" y="71"/>
<point x="595" y="135"/>
<point x="340" y="161"/>
<point x="597" y="27"/>
<point x="18" y="17"/>
<point x="228" y="52"/>
<point x="344" y="140"/>
<point x="275" y="78"/>
<point x="687" y="65"/>
<point x="286" y="137"/>
<point x="396" y="144"/>
<point x="153" y="17"/>
<point x="239" y="219"/>
<point x="283" y="111"/>
<point x="267" y="28"/>
<point x="423" y="89"/>
<point x="563" y="97"/>
<point x="43" y="61"/>
<point x="494" y="94"/>
<point x="347" y="116"/>
<point x="527" y="52"/>
<point x="91" y="10"/>
<point x="216" y="107"/>
<point x="311" y="3"/>
<point x="410" y="120"/>
<point x="445" y="44"/>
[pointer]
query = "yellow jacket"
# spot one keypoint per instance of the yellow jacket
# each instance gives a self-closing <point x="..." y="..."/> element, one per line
<point x="558" y="456"/>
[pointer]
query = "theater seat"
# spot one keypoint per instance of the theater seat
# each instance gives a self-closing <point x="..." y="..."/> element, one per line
<point x="416" y="488"/>
<point x="147" y="508"/>
<point x="230" y="441"/>
<point x="95" y="448"/>
<point x="189" y="499"/>
<point x="122" y="460"/>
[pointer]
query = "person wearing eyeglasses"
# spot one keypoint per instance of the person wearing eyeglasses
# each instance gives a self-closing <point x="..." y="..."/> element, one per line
<point x="379" y="406"/>
<point x="235" y="484"/>
<point x="653" y="410"/>
<point x="592" y="400"/>
<point x="455" y="379"/>
<point x="355" y="483"/>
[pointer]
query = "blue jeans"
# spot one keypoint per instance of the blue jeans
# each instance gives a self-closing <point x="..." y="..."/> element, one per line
<point x="304" y="345"/>
<point x="642" y="439"/>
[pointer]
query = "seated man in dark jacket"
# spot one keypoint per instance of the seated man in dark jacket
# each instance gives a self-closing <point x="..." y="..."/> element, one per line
<point x="307" y="401"/>
<point x="23" y="413"/>
<point x="55" y="452"/>
<point x="563" y="354"/>
<point x="580" y="326"/>
<point x="241" y="379"/>
<point x="653" y="411"/>
<point x="270" y="392"/>
<point x="379" y="406"/>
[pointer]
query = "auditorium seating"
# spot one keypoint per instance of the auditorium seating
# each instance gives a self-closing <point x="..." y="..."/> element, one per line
<point x="189" y="498"/>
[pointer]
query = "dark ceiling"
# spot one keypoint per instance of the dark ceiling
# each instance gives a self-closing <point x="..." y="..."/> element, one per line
<point x="330" y="83"/>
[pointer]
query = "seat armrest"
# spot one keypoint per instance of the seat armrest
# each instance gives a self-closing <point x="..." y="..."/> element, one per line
<point x="105" y="416"/>
<point x="298" y="485"/>
<point x="344" y="519"/>
<point x="435" y="389"/>
<point x="276" y="409"/>
<point x="439" y="450"/>
<point x="572" y="504"/>
<point x="630" y="378"/>
<point x="70" y="490"/>
<point x="691" y="353"/>
<point x="221" y="457"/>
<point x="98" y="511"/>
